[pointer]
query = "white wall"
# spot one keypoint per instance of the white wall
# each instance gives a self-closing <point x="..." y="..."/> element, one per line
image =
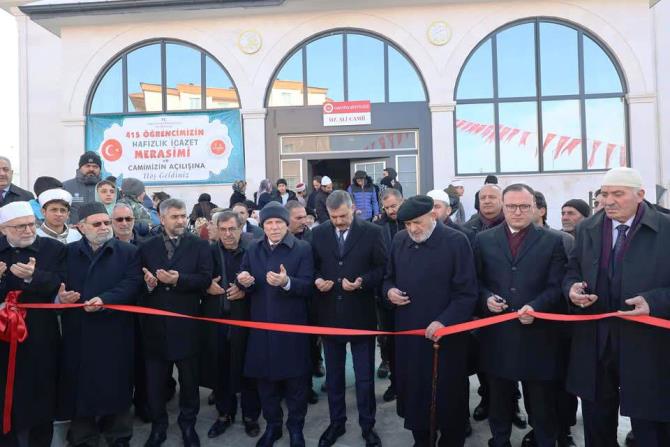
<point x="625" y="26"/>
<point x="661" y="13"/>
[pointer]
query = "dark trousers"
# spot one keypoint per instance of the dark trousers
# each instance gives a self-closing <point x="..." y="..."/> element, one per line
<point x="363" y="354"/>
<point x="650" y="433"/>
<point x="158" y="371"/>
<point x="445" y="439"/>
<point x="542" y="399"/>
<point x="386" y="343"/>
<point x="225" y="394"/>
<point x="294" y="392"/>
<point x="38" y="436"/>
<point x="601" y="417"/>
<point x="87" y="431"/>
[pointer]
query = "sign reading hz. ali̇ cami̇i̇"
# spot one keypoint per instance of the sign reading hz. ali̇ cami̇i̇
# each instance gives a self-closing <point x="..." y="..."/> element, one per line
<point x="170" y="149"/>
<point x="346" y="113"/>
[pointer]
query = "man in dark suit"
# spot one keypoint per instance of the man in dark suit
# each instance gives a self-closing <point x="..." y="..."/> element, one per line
<point x="520" y="268"/>
<point x="277" y="277"/>
<point x="621" y="262"/>
<point x="9" y="192"/>
<point x="431" y="282"/>
<point x="35" y="266"/>
<point x="177" y="272"/>
<point x="349" y="261"/>
<point x="254" y="231"/>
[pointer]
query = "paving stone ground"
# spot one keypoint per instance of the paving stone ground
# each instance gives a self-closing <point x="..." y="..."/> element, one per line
<point x="389" y="425"/>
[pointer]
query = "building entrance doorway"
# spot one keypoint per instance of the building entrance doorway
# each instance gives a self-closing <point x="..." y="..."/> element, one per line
<point x="338" y="170"/>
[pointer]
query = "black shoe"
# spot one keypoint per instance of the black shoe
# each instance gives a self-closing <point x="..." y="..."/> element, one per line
<point x="565" y="440"/>
<point x="312" y="398"/>
<point x="318" y="370"/>
<point x="481" y="411"/>
<point x="383" y="370"/>
<point x="389" y="394"/>
<point x="529" y="440"/>
<point x="211" y="399"/>
<point x="297" y="439"/>
<point x="190" y="437"/>
<point x="269" y="437"/>
<point x="468" y="429"/>
<point x="156" y="438"/>
<point x="331" y="434"/>
<point x="630" y="439"/>
<point x="251" y="428"/>
<point x="518" y="419"/>
<point x="219" y="427"/>
<point x="372" y="438"/>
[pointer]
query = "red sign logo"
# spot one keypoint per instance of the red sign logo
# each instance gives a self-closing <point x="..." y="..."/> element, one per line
<point x="111" y="150"/>
<point x="218" y="147"/>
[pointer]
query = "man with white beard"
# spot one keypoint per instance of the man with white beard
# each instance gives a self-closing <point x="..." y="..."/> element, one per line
<point x="431" y="282"/>
<point x="96" y="379"/>
<point x="35" y="266"/>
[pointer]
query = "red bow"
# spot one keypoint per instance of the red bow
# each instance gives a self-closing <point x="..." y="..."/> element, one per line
<point x="12" y="330"/>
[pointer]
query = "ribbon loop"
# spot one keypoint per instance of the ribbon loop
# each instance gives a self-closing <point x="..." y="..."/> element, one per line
<point x="14" y="331"/>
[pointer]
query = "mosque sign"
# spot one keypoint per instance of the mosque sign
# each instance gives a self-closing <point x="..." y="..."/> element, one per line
<point x="170" y="149"/>
<point x="346" y="113"/>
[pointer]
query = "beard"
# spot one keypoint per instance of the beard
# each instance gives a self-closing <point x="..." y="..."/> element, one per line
<point x="423" y="237"/>
<point x="99" y="239"/>
<point x="23" y="243"/>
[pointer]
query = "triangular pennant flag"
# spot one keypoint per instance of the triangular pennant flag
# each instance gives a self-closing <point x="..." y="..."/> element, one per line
<point x="504" y="131"/>
<point x="572" y="145"/>
<point x="594" y="149"/>
<point x="547" y="140"/>
<point x="524" y="138"/>
<point x="622" y="156"/>
<point x="559" y="147"/>
<point x="608" y="154"/>
<point x="511" y="135"/>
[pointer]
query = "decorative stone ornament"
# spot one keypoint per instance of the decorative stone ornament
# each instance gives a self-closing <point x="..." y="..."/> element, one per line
<point x="439" y="33"/>
<point x="249" y="42"/>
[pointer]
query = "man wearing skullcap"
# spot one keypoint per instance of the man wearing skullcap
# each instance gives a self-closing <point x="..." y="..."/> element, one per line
<point x="572" y="212"/>
<point x="320" y="199"/>
<point x="42" y="184"/>
<point x="96" y="378"/>
<point x="300" y="193"/>
<point x="431" y="283"/>
<point x="82" y="186"/>
<point x="621" y="262"/>
<point x="36" y="267"/>
<point x="276" y="275"/>
<point x="442" y="205"/>
<point x="56" y="211"/>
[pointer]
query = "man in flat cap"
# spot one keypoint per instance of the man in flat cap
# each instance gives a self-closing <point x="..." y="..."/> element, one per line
<point x="431" y="282"/>
<point x="56" y="205"/>
<point x="36" y="267"/>
<point x="82" y="186"/>
<point x="572" y="212"/>
<point x="621" y="262"/>
<point x="277" y="272"/>
<point x="96" y="380"/>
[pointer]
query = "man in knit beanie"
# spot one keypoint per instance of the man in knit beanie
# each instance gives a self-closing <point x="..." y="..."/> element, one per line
<point x="572" y="212"/>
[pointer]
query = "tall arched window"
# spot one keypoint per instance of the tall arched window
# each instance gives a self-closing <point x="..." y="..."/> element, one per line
<point x="345" y="66"/>
<point x="540" y="96"/>
<point x="162" y="76"/>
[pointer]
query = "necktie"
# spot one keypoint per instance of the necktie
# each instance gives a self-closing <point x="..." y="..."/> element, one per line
<point x="340" y="241"/>
<point x="2" y="195"/>
<point x="618" y="246"/>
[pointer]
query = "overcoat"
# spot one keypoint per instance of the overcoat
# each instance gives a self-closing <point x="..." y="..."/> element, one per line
<point x="278" y="355"/>
<point x="98" y="347"/>
<point x="439" y="278"/>
<point x="37" y="357"/>
<point x="512" y="350"/>
<point x="644" y="351"/>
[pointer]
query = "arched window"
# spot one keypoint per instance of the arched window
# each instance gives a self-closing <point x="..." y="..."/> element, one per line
<point x="345" y="66"/>
<point x="540" y="96"/>
<point x="162" y="76"/>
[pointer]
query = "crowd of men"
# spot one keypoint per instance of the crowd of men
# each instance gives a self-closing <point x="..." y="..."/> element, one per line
<point x="371" y="259"/>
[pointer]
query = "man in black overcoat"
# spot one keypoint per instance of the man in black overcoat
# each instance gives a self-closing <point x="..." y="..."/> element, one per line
<point x="96" y="379"/>
<point x="431" y="282"/>
<point x="177" y="269"/>
<point x="224" y="347"/>
<point x="520" y="268"/>
<point x="9" y="192"/>
<point x="277" y="276"/>
<point x="36" y="267"/>
<point x="349" y="261"/>
<point x="621" y="262"/>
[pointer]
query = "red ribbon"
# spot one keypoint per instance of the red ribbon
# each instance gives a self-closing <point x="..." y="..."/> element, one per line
<point x="12" y="330"/>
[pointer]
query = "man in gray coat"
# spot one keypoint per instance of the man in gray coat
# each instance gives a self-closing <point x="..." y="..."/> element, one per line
<point x="82" y="186"/>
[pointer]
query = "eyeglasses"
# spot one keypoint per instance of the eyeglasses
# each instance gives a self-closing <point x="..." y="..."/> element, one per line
<point x="524" y="208"/>
<point x="22" y="227"/>
<point x="106" y="223"/>
<point x="229" y="230"/>
<point x="123" y="219"/>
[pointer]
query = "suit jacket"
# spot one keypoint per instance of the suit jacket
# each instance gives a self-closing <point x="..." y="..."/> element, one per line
<point x="512" y="350"/>
<point x="364" y="256"/>
<point x="16" y="194"/>
<point x="175" y="338"/>
<point x="644" y="351"/>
